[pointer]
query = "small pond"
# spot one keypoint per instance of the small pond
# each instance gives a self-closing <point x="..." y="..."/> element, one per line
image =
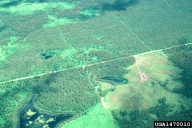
<point x="114" y="80"/>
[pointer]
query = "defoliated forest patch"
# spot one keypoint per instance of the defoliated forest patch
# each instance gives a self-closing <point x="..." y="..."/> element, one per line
<point x="136" y="101"/>
<point x="161" y="82"/>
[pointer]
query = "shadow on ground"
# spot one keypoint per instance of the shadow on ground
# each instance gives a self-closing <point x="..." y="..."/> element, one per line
<point x="119" y="5"/>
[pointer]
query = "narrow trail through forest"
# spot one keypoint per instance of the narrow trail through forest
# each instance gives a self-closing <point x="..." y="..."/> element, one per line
<point x="88" y="65"/>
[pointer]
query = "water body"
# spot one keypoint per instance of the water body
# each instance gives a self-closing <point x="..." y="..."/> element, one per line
<point x="30" y="117"/>
<point x="46" y="56"/>
<point x="114" y="80"/>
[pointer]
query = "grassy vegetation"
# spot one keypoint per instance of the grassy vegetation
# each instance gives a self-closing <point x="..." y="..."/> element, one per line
<point x="91" y="41"/>
<point x="27" y="8"/>
<point x="96" y="117"/>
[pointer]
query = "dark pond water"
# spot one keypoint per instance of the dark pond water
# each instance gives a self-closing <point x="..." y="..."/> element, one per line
<point x="30" y="117"/>
<point x="114" y="80"/>
<point x="46" y="56"/>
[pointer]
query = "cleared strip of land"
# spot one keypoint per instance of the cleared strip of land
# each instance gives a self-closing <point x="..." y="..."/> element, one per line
<point x="84" y="66"/>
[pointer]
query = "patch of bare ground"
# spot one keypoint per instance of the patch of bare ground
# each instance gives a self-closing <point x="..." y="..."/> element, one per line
<point x="103" y="102"/>
<point x="142" y="76"/>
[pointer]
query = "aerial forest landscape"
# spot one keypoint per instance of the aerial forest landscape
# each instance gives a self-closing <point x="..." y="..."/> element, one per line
<point x="95" y="63"/>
